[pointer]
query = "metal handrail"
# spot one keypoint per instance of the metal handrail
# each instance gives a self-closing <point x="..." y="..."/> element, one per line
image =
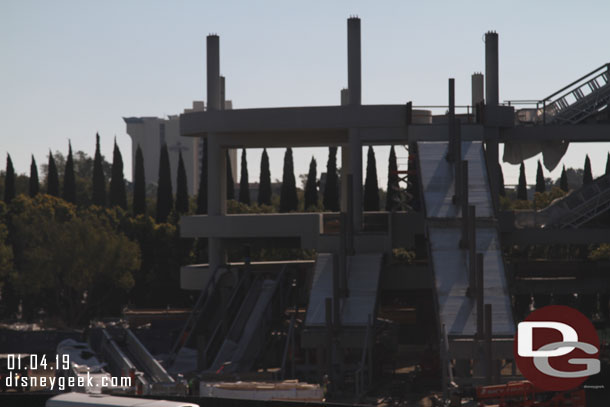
<point x="201" y="303"/>
<point x="607" y="66"/>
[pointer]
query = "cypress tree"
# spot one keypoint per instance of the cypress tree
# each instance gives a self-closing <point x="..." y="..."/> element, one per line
<point x="230" y="180"/>
<point x="522" y="187"/>
<point x="202" y="194"/>
<point x="34" y="183"/>
<point x="587" y="176"/>
<point x="501" y="188"/>
<point x="165" y="200"/>
<point x="52" y="177"/>
<point x="139" y="185"/>
<point x="99" y="181"/>
<point x="311" y="187"/>
<point x="264" y="186"/>
<point x="244" y="186"/>
<point x="563" y="181"/>
<point x="392" y="197"/>
<point x="608" y="164"/>
<point x="330" y="199"/>
<point x="540" y="187"/>
<point x="182" y="196"/>
<point x="288" y="196"/>
<point x="118" y="196"/>
<point x="371" y="187"/>
<point x="9" y="180"/>
<point x="69" y="180"/>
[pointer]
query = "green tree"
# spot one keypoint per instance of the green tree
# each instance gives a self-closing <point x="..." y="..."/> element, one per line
<point x="69" y="178"/>
<point x="33" y="182"/>
<point x="371" y="187"/>
<point x="118" y="196"/>
<point x="69" y="263"/>
<point x="52" y="177"/>
<point x="563" y="181"/>
<point x="587" y="176"/>
<point x="244" y="185"/>
<point x="288" y="196"/>
<point x="99" y="180"/>
<point x="230" y="180"/>
<point x="501" y="188"/>
<point x="540" y="186"/>
<point x="9" y="180"/>
<point x="202" y="194"/>
<point x="330" y="199"/>
<point x="182" y="195"/>
<point x="393" y="189"/>
<point x="139" y="185"/>
<point x="311" y="186"/>
<point x="165" y="200"/>
<point x="522" y="186"/>
<point x="264" y="186"/>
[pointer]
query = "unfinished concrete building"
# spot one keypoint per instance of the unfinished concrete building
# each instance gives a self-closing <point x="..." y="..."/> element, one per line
<point x="461" y="292"/>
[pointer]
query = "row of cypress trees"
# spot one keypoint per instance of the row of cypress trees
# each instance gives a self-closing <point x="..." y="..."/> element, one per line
<point x="288" y="193"/>
<point x="540" y="186"/>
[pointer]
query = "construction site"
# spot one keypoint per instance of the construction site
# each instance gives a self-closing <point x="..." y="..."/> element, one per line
<point x="345" y="317"/>
<point x="363" y="324"/>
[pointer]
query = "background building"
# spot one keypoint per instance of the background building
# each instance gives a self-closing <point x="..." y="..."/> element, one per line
<point x="150" y="133"/>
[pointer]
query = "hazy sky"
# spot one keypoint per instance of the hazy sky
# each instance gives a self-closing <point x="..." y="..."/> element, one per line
<point x="70" y="69"/>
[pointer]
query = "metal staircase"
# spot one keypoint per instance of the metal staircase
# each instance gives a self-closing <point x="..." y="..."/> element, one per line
<point x="580" y="206"/>
<point x="577" y="101"/>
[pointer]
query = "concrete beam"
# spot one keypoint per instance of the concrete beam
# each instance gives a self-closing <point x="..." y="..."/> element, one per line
<point x="306" y="226"/>
<point x="571" y="133"/>
<point x="555" y="236"/>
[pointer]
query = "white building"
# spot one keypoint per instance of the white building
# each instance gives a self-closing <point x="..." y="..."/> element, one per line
<point x="150" y="133"/>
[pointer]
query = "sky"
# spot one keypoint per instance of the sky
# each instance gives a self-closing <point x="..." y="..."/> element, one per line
<point x="69" y="69"/>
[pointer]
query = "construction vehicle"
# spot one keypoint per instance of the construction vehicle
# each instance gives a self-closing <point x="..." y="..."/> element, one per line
<point x="525" y="394"/>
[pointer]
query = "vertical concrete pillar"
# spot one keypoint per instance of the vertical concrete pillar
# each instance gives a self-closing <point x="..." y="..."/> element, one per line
<point x="488" y="345"/>
<point x="354" y="71"/>
<point x="355" y="151"/>
<point x="491" y="69"/>
<point x="451" y="122"/>
<point x="216" y="156"/>
<point x="477" y="89"/>
<point x="480" y="297"/>
<point x="213" y="72"/>
<point x="345" y="164"/>
<point x="472" y="249"/>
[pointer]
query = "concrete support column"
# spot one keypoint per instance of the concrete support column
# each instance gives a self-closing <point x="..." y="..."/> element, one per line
<point x="355" y="152"/>
<point x="491" y="69"/>
<point x="478" y="95"/>
<point x="354" y="71"/>
<point x="216" y="155"/>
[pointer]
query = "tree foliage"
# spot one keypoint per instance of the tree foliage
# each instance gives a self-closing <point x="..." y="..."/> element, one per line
<point x="264" y="185"/>
<point x="34" y="184"/>
<point x="139" y="185"/>
<point x="311" y="186"/>
<point x="371" y="187"/>
<point x="52" y="177"/>
<point x="563" y="180"/>
<point x="540" y="185"/>
<point x="522" y="186"/>
<point x="69" y="191"/>
<point x="392" y="192"/>
<point x="118" y="196"/>
<point x="69" y="262"/>
<point x="230" y="179"/>
<point x="501" y="188"/>
<point x="244" y="185"/>
<point x="330" y="199"/>
<point x="98" y="196"/>
<point x="288" y="195"/>
<point x="9" y="180"/>
<point x="182" y="195"/>
<point x="587" y="176"/>
<point x="165" y="199"/>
